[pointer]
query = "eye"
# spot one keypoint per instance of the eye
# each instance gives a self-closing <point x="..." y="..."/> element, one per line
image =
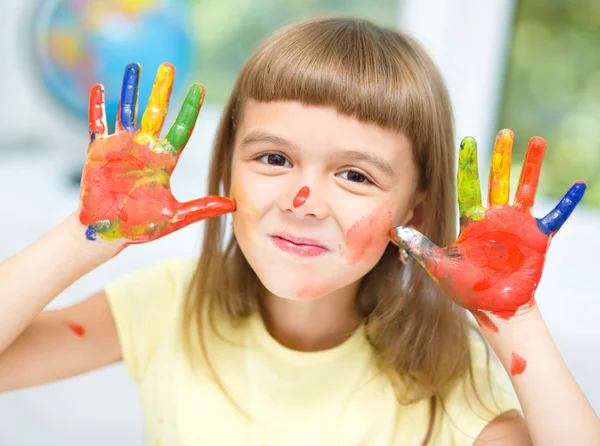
<point x="274" y="159"/>
<point x="355" y="177"/>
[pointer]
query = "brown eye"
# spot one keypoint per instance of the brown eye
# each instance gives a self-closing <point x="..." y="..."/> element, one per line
<point x="274" y="159"/>
<point x="355" y="177"/>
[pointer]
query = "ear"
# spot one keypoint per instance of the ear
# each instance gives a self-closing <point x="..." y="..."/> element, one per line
<point x="418" y="211"/>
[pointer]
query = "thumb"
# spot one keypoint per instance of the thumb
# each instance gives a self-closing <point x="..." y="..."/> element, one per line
<point x="201" y="209"/>
<point x="416" y="244"/>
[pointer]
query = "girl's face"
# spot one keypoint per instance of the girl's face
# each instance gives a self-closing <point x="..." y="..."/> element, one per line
<point x="316" y="194"/>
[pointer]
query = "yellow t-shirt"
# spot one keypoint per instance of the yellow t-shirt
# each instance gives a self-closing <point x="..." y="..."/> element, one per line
<point x="331" y="397"/>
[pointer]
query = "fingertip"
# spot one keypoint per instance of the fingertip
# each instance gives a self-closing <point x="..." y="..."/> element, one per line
<point x="577" y="190"/>
<point x="468" y="142"/>
<point x="97" y="89"/>
<point x="537" y="142"/>
<point x="505" y="134"/>
<point x="166" y="68"/>
<point x="133" y="68"/>
<point x="196" y="93"/>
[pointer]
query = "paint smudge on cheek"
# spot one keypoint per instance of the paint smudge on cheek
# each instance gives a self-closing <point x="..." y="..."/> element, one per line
<point x="78" y="329"/>
<point x="301" y="197"/>
<point x="368" y="236"/>
<point x="517" y="364"/>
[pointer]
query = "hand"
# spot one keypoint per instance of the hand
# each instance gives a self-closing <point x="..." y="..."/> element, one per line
<point x="125" y="187"/>
<point x="496" y="263"/>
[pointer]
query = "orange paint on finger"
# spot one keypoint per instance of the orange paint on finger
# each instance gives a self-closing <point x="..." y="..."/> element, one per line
<point x="78" y="329"/>
<point x="301" y="196"/>
<point x="517" y="364"/>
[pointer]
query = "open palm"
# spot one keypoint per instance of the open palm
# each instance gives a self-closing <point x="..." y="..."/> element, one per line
<point x="125" y="188"/>
<point x="496" y="263"/>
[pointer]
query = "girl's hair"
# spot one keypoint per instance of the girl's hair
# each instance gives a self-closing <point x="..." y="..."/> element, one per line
<point x="380" y="76"/>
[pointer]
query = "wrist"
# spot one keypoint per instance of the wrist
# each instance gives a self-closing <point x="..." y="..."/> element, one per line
<point x="95" y="250"/>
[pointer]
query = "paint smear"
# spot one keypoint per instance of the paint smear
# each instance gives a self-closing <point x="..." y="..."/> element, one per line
<point x="126" y="194"/>
<point x="301" y="196"/>
<point x="517" y="364"/>
<point x="97" y="119"/>
<point x="484" y="321"/>
<point x="364" y="238"/>
<point x="78" y="329"/>
<point x="496" y="263"/>
<point x="500" y="171"/>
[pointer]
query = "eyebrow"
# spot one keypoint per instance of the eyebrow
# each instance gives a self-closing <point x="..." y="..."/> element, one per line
<point x="257" y="136"/>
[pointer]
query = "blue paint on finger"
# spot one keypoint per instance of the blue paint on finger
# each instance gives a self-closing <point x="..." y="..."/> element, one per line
<point x="129" y="96"/>
<point x="554" y="220"/>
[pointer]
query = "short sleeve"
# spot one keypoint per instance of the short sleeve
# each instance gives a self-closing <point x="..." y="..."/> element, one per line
<point x="143" y="303"/>
<point x="474" y="403"/>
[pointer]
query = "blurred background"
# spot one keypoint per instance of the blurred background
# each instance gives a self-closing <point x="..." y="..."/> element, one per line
<point x="529" y="65"/>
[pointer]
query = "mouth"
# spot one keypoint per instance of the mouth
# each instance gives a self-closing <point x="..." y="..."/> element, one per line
<point x="304" y="247"/>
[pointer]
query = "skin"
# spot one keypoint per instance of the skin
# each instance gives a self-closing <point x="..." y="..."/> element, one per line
<point x="495" y="265"/>
<point x="493" y="270"/>
<point x="125" y="187"/>
<point x="291" y="175"/>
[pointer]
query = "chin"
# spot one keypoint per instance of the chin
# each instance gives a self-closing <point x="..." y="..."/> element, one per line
<point x="296" y="288"/>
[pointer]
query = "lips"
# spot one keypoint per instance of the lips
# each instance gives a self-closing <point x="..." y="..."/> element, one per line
<point x="299" y="245"/>
<point x="300" y="240"/>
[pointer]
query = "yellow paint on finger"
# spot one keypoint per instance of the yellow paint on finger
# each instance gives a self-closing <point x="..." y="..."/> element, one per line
<point x="156" y="111"/>
<point x="500" y="171"/>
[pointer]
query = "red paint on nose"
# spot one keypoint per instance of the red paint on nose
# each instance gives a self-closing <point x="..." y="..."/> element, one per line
<point x="301" y="196"/>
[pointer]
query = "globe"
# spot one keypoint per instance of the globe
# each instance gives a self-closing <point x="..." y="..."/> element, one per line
<point x="78" y="43"/>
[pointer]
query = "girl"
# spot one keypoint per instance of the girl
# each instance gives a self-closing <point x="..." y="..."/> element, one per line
<point x="306" y="327"/>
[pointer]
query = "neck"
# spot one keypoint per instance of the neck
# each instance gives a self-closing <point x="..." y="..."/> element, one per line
<point x="312" y="325"/>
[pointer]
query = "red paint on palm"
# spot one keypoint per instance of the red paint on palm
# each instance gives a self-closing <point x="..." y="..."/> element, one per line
<point x="495" y="264"/>
<point x="127" y="185"/>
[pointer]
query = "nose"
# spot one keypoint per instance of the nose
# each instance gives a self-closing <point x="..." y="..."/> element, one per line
<point x="305" y="201"/>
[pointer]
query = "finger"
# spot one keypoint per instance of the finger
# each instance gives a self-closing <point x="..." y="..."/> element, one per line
<point x="181" y="130"/>
<point x="203" y="208"/>
<point x="530" y="173"/>
<point x="127" y="111"/>
<point x="500" y="171"/>
<point x="154" y="116"/>
<point x="420" y="247"/>
<point x="469" y="190"/>
<point x="554" y="220"/>
<point x="97" y="113"/>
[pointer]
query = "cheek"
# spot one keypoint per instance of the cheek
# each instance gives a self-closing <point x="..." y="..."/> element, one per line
<point x="246" y="215"/>
<point x="367" y="238"/>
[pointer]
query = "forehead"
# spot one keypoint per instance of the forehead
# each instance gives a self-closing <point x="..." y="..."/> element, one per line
<point x="321" y="128"/>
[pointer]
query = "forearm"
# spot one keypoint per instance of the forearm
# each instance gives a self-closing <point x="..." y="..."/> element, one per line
<point x="30" y="279"/>
<point x="556" y="410"/>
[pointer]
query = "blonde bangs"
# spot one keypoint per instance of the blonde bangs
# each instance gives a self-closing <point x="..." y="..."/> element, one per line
<point x="350" y="65"/>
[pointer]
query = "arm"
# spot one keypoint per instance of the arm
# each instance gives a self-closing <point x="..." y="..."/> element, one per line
<point x="493" y="270"/>
<point x="556" y="410"/>
<point x="35" y="276"/>
<point x="60" y="344"/>
<point x="125" y="199"/>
